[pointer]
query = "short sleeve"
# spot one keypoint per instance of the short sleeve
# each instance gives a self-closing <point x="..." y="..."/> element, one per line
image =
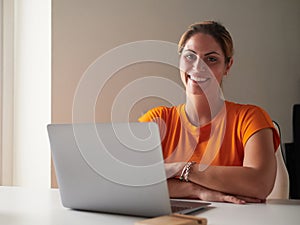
<point x="252" y="120"/>
<point x="152" y="115"/>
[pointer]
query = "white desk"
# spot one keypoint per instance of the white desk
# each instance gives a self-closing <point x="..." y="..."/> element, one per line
<point x="21" y="206"/>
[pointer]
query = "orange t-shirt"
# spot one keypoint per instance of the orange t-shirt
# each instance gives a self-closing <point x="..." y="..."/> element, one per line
<point x="220" y="142"/>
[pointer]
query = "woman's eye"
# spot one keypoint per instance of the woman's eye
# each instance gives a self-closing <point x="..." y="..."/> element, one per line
<point x="212" y="59"/>
<point x="190" y="57"/>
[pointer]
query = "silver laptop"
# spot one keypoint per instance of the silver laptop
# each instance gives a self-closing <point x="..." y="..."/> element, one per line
<point x="114" y="168"/>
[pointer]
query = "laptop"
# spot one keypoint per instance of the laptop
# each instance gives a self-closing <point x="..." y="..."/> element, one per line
<point x="113" y="168"/>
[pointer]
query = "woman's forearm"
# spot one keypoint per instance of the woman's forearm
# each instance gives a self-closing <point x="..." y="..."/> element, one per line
<point x="243" y="181"/>
<point x="179" y="189"/>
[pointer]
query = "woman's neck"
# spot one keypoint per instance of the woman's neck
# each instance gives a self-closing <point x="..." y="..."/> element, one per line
<point x="200" y="110"/>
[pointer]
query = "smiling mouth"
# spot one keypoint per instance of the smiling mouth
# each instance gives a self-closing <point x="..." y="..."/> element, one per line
<point x="198" y="79"/>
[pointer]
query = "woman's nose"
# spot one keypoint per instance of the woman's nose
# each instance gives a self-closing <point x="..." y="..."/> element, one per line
<point x="199" y="65"/>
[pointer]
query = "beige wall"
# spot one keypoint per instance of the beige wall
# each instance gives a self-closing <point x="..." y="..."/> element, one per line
<point x="266" y="35"/>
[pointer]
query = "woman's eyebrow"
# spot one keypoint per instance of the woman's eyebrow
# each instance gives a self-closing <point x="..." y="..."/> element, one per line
<point x="212" y="52"/>
<point x="190" y="50"/>
<point x="206" y="54"/>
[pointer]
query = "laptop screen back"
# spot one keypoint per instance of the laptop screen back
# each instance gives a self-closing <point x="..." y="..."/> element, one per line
<point x="110" y="167"/>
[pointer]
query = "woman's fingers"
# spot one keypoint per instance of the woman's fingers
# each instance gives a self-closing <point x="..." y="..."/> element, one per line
<point x="251" y="200"/>
<point x="233" y="199"/>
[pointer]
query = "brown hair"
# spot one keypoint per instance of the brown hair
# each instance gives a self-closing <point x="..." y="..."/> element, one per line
<point x="216" y="30"/>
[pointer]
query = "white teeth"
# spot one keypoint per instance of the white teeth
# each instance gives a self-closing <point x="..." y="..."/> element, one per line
<point x="198" y="79"/>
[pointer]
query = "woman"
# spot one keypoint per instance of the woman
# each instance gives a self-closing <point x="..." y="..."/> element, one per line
<point x="214" y="150"/>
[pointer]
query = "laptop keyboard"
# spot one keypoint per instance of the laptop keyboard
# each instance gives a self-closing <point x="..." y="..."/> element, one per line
<point x="186" y="206"/>
<point x="177" y="208"/>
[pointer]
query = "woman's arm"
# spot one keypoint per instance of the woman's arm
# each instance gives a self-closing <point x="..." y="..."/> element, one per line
<point x="179" y="189"/>
<point x="254" y="179"/>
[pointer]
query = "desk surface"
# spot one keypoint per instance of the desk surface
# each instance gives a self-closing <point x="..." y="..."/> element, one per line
<point x="20" y="206"/>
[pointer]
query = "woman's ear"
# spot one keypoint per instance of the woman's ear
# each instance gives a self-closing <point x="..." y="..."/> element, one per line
<point x="228" y="66"/>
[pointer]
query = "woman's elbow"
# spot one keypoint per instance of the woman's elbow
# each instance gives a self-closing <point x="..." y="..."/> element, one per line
<point x="264" y="187"/>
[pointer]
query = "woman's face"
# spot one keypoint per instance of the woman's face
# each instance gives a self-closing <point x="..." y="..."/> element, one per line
<point x="202" y="64"/>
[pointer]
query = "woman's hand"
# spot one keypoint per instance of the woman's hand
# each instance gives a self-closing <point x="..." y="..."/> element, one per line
<point x="174" y="169"/>
<point x="179" y="189"/>
<point x="216" y="196"/>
